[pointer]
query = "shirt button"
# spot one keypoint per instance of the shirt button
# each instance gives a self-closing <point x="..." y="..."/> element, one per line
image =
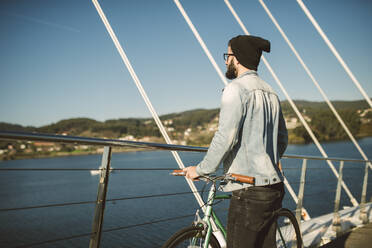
<point x="266" y="181"/>
<point x="274" y="179"/>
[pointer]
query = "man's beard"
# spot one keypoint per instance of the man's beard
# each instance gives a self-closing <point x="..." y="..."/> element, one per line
<point x="231" y="71"/>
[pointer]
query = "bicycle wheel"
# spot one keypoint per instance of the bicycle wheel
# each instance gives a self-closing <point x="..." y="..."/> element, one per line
<point x="288" y="233"/>
<point x="190" y="237"/>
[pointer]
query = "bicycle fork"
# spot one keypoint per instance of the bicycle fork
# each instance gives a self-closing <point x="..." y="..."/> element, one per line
<point x="208" y="222"/>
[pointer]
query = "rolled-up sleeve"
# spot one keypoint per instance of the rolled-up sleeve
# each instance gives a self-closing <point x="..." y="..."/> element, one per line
<point x="228" y="129"/>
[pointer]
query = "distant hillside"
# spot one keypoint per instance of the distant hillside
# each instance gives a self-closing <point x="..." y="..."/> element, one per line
<point x="15" y="127"/>
<point x="316" y="106"/>
<point x="198" y="126"/>
<point x="356" y="114"/>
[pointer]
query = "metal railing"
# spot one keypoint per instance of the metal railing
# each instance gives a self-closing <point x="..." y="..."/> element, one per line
<point x="95" y="235"/>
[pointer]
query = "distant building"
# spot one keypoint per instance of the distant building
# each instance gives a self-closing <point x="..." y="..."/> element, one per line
<point x="44" y="146"/>
<point x="292" y="123"/>
<point x="128" y="137"/>
<point x="363" y="113"/>
<point x="28" y="150"/>
<point x="187" y="132"/>
<point x="168" y="122"/>
<point x="213" y="127"/>
<point x="81" y="147"/>
<point x="146" y="139"/>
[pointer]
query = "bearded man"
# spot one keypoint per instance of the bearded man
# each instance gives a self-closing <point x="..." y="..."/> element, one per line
<point x="250" y="140"/>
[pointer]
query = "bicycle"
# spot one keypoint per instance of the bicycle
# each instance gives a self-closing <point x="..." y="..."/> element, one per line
<point x="209" y="231"/>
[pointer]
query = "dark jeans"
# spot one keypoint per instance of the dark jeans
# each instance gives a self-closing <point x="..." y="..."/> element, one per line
<point x="250" y="222"/>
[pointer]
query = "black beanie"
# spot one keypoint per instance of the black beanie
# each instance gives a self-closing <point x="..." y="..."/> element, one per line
<point x="248" y="49"/>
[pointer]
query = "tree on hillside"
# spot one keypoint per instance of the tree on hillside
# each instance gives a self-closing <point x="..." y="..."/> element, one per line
<point x="327" y="127"/>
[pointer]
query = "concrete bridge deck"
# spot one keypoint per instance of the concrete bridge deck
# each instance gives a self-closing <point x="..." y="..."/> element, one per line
<point x="319" y="232"/>
<point x="358" y="237"/>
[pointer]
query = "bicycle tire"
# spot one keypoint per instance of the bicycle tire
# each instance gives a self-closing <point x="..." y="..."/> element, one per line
<point x="288" y="234"/>
<point x="185" y="236"/>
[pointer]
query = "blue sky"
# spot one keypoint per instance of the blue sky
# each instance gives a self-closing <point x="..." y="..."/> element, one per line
<point x="57" y="60"/>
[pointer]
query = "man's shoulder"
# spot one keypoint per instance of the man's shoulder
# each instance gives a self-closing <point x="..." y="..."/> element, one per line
<point x="234" y="87"/>
<point x="251" y="83"/>
<point x="231" y="92"/>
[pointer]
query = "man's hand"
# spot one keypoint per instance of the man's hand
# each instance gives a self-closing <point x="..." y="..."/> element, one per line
<point x="191" y="172"/>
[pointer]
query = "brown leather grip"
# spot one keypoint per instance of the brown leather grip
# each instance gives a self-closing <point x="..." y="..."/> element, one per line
<point x="178" y="173"/>
<point x="243" y="179"/>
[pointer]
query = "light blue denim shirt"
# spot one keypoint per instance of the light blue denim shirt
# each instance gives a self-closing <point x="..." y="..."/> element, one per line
<point x="251" y="135"/>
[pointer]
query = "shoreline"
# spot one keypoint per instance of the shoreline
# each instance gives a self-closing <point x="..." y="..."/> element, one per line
<point x="66" y="154"/>
<point x="119" y="150"/>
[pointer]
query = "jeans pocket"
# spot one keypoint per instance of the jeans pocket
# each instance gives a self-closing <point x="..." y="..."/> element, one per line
<point x="257" y="213"/>
<point x="254" y="209"/>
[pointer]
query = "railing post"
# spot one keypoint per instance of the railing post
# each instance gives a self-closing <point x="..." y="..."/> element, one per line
<point x="301" y="192"/>
<point x="363" y="212"/>
<point x="101" y="199"/>
<point x="336" y="222"/>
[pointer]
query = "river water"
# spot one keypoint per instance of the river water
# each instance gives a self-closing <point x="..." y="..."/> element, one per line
<point x="34" y="188"/>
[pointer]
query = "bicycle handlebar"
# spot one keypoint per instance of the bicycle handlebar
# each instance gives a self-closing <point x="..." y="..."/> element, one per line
<point x="242" y="178"/>
<point x="233" y="177"/>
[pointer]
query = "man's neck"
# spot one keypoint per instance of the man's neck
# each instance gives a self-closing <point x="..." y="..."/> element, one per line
<point x="242" y="70"/>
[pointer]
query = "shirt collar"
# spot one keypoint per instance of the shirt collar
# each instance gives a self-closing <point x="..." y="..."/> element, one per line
<point x="249" y="72"/>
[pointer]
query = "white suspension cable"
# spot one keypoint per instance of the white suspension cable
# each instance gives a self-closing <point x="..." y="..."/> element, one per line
<point x="334" y="51"/>
<point x="145" y="98"/>
<point x="308" y="129"/>
<point x="209" y="55"/>
<point x="196" y="34"/>
<point x="314" y="81"/>
<point x="211" y="59"/>
<point x="201" y="42"/>
<point x="304" y="212"/>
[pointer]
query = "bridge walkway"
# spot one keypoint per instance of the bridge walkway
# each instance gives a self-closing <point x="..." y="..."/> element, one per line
<point x="357" y="238"/>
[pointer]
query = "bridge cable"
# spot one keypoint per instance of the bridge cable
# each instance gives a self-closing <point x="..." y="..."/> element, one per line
<point x="84" y="169"/>
<point x="201" y="42"/>
<point x="196" y="34"/>
<point x="91" y="202"/>
<point x="144" y="95"/>
<point x="308" y="129"/>
<point x="54" y="240"/>
<point x="334" y="51"/>
<point x="107" y="230"/>
<point x="315" y="82"/>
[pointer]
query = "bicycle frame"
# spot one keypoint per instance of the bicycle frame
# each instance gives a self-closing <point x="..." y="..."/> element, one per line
<point x="211" y="224"/>
<point x="210" y="216"/>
